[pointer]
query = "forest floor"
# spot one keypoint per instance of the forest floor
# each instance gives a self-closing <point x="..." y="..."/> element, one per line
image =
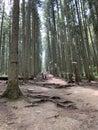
<point x="51" y="105"/>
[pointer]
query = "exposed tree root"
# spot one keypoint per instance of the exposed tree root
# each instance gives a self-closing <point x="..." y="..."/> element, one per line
<point x="36" y="98"/>
<point x="52" y="85"/>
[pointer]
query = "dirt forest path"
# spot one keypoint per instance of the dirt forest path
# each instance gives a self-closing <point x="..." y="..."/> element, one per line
<point x="51" y="105"/>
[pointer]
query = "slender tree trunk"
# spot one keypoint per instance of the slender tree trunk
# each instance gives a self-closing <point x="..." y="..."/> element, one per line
<point x="83" y="49"/>
<point x="3" y="55"/>
<point x="27" y="43"/>
<point x="53" y="38"/>
<point x="1" y="32"/>
<point x="23" y="38"/>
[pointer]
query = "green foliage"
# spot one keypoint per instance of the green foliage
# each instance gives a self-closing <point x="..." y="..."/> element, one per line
<point x="94" y="68"/>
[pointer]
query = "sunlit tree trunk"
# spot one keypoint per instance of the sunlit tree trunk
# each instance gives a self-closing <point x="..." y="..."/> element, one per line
<point x="1" y="32"/>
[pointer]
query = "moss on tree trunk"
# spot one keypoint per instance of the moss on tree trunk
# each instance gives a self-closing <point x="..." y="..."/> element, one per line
<point x="12" y="91"/>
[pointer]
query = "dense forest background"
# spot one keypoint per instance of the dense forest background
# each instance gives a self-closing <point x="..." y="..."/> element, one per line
<point x="55" y="36"/>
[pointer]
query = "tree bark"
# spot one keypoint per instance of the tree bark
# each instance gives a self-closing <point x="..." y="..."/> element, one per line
<point x="13" y="91"/>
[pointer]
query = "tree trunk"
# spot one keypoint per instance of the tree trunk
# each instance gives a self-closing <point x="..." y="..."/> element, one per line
<point x="13" y="90"/>
<point x="27" y="43"/>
